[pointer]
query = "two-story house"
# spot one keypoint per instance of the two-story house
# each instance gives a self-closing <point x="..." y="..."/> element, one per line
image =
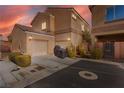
<point x="54" y="26"/>
<point x="108" y="28"/>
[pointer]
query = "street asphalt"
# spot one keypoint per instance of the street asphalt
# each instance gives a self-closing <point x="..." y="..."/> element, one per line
<point x="109" y="76"/>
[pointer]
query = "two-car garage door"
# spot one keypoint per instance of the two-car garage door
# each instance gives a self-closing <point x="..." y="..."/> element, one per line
<point x="39" y="47"/>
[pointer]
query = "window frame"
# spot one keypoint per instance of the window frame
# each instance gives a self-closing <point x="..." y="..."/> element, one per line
<point x="106" y="14"/>
<point x="82" y="27"/>
<point x="44" y="25"/>
<point x="73" y="16"/>
<point x="114" y="16"/>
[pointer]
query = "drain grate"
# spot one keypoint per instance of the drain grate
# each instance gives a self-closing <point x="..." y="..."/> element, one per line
<point x="39" y="68"/>
<point x="32" y="71"/>
<point x="23" y="74"/>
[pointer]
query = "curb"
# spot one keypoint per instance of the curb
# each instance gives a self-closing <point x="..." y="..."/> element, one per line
<point x="104" y="62"/>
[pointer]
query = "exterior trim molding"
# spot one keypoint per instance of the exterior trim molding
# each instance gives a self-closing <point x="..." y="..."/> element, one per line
<point x="39" y="34"/>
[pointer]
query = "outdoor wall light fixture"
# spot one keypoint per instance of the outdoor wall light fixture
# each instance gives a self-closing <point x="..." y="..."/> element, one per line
<point x="30" y="37"/>
<point x="68" y="39"/>
<point x="95" y="39"/>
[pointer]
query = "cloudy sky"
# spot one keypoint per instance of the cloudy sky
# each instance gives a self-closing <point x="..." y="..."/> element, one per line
<point x="10" y="15"/>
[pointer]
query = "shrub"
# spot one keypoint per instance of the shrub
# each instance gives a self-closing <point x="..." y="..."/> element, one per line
<point x="12" y="56"/>
<point x="96" y="53"/>
<point x="71" y="51"/>
<point x="81" y="50"/>
<point x="23" y="60"/>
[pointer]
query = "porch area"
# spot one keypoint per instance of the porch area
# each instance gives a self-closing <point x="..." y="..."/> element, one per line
<point x="112" y="46"/>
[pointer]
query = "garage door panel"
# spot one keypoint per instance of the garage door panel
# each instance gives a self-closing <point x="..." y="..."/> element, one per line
<point x="39" y="47"/>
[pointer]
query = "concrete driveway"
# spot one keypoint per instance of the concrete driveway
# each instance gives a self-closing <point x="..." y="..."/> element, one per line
<point x="41" y="67"/>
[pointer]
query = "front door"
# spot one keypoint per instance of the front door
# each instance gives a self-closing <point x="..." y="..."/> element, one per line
<point x="108" y="50"/>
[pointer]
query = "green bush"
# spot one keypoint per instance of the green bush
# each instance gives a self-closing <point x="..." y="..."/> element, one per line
<point x="96" y="53"/>
<point x="81" y="50"/>
<point x="12" y="56"/>
<point x="71" y="50"/>
<point x="23" y="60"/>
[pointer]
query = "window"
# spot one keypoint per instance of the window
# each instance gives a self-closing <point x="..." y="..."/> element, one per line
<point x="115" y="13"/>
<point x="82" y="27"/>
<point x="74" y="16"/>
<point x="119" y="12"/>
<point x="43" y="25"/>
<point x="110" y="14"/>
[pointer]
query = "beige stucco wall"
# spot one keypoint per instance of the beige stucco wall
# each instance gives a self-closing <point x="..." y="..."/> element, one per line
<point x="76" y="39"/>
<point x="122" y="49"/>
<point x="77" y="23"/>
<point x="52" y="24"/>
<point x="42" y="37"/>
<point x="18" y="40"/>
<point x="43" y="17"/>
<point x="62" y="39"/>
<point x="98" y="15"/>
<point x="119" y="48"/>
<point x="62" y="18"/>
<point x="100" y="26"/>
<point x="67" y="27"/>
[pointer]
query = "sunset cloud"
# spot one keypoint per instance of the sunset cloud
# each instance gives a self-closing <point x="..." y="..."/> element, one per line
<point x="84" y="12"/>
<point x="10" y="15"/>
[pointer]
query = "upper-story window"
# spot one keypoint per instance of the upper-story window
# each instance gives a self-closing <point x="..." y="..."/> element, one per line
<point x="115" y="13"/>
<point x="82" y="27"/>
<point x="43" y="25"/>
<point x="74" y="16"/>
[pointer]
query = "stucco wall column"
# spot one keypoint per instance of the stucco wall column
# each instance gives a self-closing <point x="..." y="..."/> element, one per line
<point x="117" y="50"/>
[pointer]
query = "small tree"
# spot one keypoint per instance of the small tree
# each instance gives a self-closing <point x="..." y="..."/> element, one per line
<point x="71" y="50"/>
<point x="87" y="38"/>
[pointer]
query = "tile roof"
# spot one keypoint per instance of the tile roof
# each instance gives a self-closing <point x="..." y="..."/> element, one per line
<point x="30" y="29"/>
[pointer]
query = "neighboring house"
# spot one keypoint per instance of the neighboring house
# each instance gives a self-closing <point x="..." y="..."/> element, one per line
<point x="108" y="28"/>
<point x="55" y="26"/>
<point x="4" y="46"/>
<point x="0" y="44"/>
